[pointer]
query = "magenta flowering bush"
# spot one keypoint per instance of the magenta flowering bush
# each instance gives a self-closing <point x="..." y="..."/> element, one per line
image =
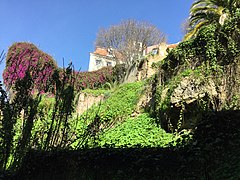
<point x="25" y="57"/>
<point x="93" y="79"/>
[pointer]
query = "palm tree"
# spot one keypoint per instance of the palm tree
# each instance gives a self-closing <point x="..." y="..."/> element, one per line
<point x="204" y="12"/>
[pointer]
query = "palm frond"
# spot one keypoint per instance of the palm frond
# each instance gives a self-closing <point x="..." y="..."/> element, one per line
<point x="193" y="32"/>
<point x="209" y="11"/>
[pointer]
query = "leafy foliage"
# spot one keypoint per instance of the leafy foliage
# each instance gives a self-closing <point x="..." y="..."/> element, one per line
<point x="213" y="55"/>
<point x="25" y="57"/>
<point x="24" y="106"/>
<point x="141" y="131"/>
<point x="93" y="79"/>
<point x="32" y="121"/>
<point x="217" y="45"/>
<point x="21" y="127"/>
<point x="8" y="119"/>
<point x="97" y="92"/>
<point x="58" y="132"/>
<point x="119" y="72"/>
<point x="116" y="108"/>
<point x="205" y="12"/>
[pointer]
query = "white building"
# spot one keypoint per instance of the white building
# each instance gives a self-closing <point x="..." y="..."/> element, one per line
<point x="100" y="58"/>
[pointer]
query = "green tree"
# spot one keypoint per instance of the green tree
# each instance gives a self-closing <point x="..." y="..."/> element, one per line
<point x="204" y="12"/>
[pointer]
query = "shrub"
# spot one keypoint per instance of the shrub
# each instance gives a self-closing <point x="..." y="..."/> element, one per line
<point x="93" y="79"/>
<point x="118" y="107"/>
<point x="119" y="72"/>
<point x="135" y="132"/>
<point x="25" y="57"/>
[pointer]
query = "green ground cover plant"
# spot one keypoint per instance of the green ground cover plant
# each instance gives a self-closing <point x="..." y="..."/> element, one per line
<point x="141" y="131"/>
<point x="32" y="121"/>
<point x="116" y="108"/>
<point x="97" y="92"/>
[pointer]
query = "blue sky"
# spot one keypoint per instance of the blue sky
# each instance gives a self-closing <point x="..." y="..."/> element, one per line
<point x="67" y="28"/>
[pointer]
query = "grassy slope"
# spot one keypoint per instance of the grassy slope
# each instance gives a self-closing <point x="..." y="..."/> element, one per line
<point x="213" y="154"/>
<point x="117" y="108"/>
<point x="141" y="131"/>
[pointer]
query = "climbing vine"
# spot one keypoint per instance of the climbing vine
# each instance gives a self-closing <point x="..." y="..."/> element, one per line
<point x="211" y="57"/>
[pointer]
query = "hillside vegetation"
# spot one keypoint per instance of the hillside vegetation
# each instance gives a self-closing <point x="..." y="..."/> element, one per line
<point x="182" y="123"/>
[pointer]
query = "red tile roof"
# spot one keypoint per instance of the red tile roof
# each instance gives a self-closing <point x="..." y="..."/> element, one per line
<point x="104" y="52"/>
<point x="101" y="51"/>
<point x="172" y="45"/>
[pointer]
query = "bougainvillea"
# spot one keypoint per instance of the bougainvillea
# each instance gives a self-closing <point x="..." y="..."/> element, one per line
<point x="25" y="57"/>
<point x="93" y="79"/>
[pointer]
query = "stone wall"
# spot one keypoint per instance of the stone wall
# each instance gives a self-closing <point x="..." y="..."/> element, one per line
<point x="85" y="101"/>
<point x="146" y="70"/>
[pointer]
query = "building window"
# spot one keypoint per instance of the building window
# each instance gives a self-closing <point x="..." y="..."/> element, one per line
<point x="109" y="63"/>
<point x="110" y="52"/>
<point x="155" y="51"/>
<point x="98" y="62"/>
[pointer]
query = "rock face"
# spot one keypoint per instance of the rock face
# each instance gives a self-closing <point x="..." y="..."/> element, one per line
<point x="190" y="90"/>
<point x="188" y="101"/>
<point x="191" y="97"/>
<point x="143" y="69"/>
<point x="85" y="101"/>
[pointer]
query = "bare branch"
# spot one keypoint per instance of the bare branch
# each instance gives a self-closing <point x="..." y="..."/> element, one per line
<point x="2" y="56"/>
<point x="129" y="38"/>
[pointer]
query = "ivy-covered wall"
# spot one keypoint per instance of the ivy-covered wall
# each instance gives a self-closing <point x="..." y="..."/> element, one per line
<point x="200" y="75"/>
